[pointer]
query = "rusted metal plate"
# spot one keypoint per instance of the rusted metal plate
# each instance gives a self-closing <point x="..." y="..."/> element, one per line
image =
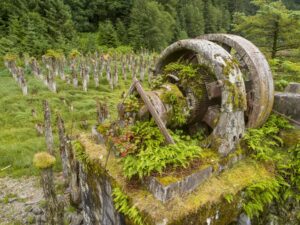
<point x="261" y="96"/>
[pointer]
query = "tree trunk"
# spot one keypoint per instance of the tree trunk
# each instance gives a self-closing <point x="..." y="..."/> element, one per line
<point x="275" y="40"/>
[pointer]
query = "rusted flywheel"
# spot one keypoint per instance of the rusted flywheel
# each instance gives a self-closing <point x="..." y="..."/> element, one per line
<point x="257" y="76"/>
<point x="225" y="117"/>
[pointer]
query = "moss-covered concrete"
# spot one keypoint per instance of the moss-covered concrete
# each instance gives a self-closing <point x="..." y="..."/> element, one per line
<point x="290" y="137"/>
<point x="205" y="203"/>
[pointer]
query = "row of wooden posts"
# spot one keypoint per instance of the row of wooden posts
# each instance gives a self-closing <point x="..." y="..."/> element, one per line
<point x="54" y="203"/>
<point x="18" y="74"/>
<point x="80" y="68"/>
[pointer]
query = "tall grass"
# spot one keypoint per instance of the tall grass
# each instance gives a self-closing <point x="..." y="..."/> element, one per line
<point x="18" y="138"/>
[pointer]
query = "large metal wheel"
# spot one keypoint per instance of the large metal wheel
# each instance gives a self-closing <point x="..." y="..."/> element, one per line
<point x="257" y="76"/>
<point x="227" y="117"/>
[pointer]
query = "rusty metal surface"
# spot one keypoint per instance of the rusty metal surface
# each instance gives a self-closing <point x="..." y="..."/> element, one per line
<point x="261" y="96"/>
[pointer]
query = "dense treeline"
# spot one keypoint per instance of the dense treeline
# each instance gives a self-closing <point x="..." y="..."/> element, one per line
<point x="33" y="26"/>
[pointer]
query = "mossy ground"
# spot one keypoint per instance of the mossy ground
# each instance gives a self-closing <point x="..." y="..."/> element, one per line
<point x="18" y="138"/>
<point x="231" y="182"/>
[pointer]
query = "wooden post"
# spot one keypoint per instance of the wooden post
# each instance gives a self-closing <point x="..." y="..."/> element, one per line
<point x="62" y="147"/>
<point x="24" y="86"/>
<point x="102" y="111"/>
<point x="116" y="76"/>
<point x="49" y="195"/>
<point x="123" y="68"/>
<point x="75" y="194"/>
<point x="158" y="121"/>
<point x="48" y="128"/>
<point x="74" y="74"/>
<point x="62" y="68"/>
<point x="84" y="72"/>
<point x="96" y="75"/>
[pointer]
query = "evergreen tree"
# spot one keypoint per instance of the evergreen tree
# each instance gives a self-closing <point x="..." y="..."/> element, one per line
<point x="16" y="33"/>
<point x="194" y="19"/>
<point x="58" y="19"/>
<point x="273" y="27"/>
<point x="107" y="34"/>
<point x="87" y="14"/>
<point x="35" y="40"/>
<point x="122" y="32"/>
<point x="151" y="26"/>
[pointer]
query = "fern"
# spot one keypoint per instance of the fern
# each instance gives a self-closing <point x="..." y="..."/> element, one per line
<point x="263" y="141"/>
<point x="156" y="158"/>
<point x="122" y="204"/>
<point x="259" y="195"/>
<point x="265" y="144"/>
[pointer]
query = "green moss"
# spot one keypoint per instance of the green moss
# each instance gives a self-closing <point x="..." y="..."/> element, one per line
<point x="230" y="64"/>
<point x="43" y="160"/>
<point x="173" y="96"/>
<point x="79" y="151"/>
<point x="191" y="77"/>
<point x="54" y="54"/>
<point x="104" y="127"/>
<point x="10" y="57"/>
<point x="74" y="53"/>
<point x="167" y="180"/>
<point x="31" y="219"/>
<point x="290" y="137"/>
<point x="235" y="96"/>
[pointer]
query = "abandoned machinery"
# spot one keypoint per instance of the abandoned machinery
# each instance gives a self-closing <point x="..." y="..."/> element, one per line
<point x="235" y="82"/>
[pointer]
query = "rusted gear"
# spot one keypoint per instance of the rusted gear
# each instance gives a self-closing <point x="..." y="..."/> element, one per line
<point x="259" y="83"/>
<point x="227" y="118"/>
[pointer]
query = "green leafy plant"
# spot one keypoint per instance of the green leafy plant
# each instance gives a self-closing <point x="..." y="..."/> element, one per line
<point x="229" y="198"/>
<point x="79" y="151"/>
<point x="263" y="141"/>
<point x="147" y="135"/>
<point x="156" y="158"/>
<point x="265" y="144"/>
<point x="131" y="104"/>
<point x="122" y="204"/>
<point x="259" y="195"/>
<point x="179" y="111"/>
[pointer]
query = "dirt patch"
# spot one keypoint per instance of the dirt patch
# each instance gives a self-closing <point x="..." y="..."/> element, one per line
<point x="20" y="200"/>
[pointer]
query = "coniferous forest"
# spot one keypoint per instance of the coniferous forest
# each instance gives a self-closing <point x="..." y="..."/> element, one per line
<point x="147" y="112"/>
<point x="35" y="26"/>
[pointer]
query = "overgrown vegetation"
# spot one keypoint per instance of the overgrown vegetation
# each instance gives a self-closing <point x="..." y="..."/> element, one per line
<point x="266" y="145"/>
<point x="122" y="204"/>
<point x="188" y="77"/>
<point x="147" y="152"/>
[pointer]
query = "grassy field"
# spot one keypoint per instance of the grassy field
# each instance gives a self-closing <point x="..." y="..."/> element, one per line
<point x="18" y="137"/>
